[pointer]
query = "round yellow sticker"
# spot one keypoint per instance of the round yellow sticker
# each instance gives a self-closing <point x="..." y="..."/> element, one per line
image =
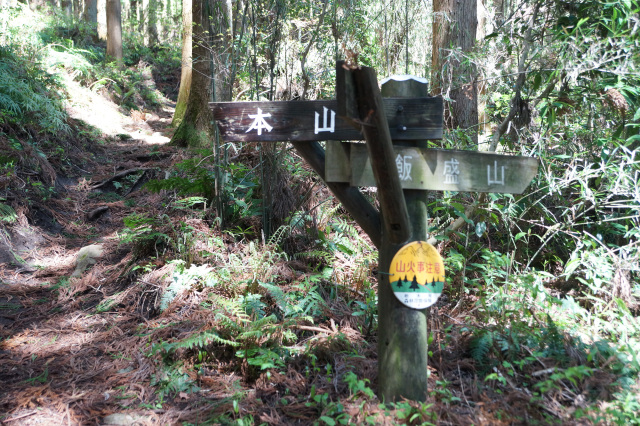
<point x="417" y="275"/>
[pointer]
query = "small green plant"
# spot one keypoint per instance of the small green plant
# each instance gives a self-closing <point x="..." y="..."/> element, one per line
<point x="41" y="378"/>
<point x="571" y="375"/>
<point x="150" y="235"/>
<point x="368" y="309"/>
<point x="171" y="381"/>
<point x="107" y="304"/>
<point x="443" y="392"/>
<point x="357" y="385"/>
<point x="28" y="94"/>
<point x="7" y="214"/>
<point x="417" y="412"/>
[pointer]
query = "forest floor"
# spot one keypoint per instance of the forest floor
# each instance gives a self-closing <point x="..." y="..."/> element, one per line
<point x="63" y="361"/>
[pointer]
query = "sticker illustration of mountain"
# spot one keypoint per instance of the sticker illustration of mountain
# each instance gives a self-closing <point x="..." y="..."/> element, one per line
<point x="417" y="275"/>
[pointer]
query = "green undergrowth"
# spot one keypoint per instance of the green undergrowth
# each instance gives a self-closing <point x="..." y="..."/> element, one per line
<point x="54" y="44"/>
<point x="39" y="52"/>
<point x="555" y="329"/>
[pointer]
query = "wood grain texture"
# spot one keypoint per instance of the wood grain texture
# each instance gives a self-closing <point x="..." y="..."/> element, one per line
<point x="375" y="129"/>
<point x="296" y="120"/>
<point x="346" y="96"/>
<point x="337" y="165"/>
<point x="441" y="170"/>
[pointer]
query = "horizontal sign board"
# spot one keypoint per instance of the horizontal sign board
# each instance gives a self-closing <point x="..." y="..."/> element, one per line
<point x="434" y="169"/>
<point x="408" y="118"/>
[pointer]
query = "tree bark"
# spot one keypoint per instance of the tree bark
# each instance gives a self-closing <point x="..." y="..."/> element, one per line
<point x="195" y="130"/>
<point x="453" y="74"/>
<point x="102" y="19"/>
<point x="151" y="38"/>
<point x="133" y="13"/>
<point x="221" y="30"/>
<point x="77" y="9"/>
<point x="91" y="12"/>
<point x="114" y="30"/>
<point x="67" y="7"/>
<point x="185" y="77"/>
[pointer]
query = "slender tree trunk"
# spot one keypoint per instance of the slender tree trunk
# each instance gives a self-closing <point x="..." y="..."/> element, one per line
<point x="151" y="38"/>
<point x="483" y="117"/>
<point x="134" y="13"/>
<point x="185" y="78"/>
<point x="142" y="16"/>
<point x="77" y="9"/>
<point x="114" y="30"/>
<point x="67" y="7"/>
<point x="167" y="15"/>
<point x="221" y="30"/>
<point x="102" y="19"/>
<point x="453" y="74"/>
<point x="195" y="130"/>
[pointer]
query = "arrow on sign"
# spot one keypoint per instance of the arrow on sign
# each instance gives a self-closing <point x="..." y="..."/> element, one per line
<point x="408" y="118"/>
<point x="434" y="169"/>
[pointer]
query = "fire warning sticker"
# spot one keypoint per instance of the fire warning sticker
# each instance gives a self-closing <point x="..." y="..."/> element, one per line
<point x="417" y="275"/>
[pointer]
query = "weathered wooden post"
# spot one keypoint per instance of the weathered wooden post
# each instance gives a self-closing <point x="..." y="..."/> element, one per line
<point x="402" y="331"/>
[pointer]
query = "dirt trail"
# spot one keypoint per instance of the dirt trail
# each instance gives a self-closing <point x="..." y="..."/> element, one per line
<point x="65" y="358"/>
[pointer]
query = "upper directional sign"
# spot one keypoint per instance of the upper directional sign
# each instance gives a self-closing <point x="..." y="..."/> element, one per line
<point x="434" y="169"/>
<point x="408" y="118"/>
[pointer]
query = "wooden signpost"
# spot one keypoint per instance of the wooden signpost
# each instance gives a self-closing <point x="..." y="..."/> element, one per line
<point x="395" y="158"/>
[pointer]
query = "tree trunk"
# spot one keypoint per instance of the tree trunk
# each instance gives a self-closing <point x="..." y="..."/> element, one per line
<point x="102" y="19"/>
<point x="221" y="28"/>
<point x="483" y="118"/>
<point x="142" y="16"/>
<point x="114" y="30"/>
<point x="133" y="14"/>
<point x="151" y="38"/>
<point x="77" y="9"/>
<point x="91" y="12"/>
<point x="67" y="7"/>
<point x="185" y="78"/>
<point x="195" y="130"/>
<point x="453" y="74"/>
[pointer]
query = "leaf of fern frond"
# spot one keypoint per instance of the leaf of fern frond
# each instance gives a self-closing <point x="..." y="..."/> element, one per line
<point x="481" y="345"/>
<point x="200" y="340"/>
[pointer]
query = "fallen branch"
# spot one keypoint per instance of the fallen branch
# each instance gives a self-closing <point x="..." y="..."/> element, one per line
<point x="316" y="329"/>
<point x="20" y="417"/>
<point x="120" y="175"/>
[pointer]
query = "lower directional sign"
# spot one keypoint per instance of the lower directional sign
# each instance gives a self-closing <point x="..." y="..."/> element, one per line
<point x="434" y="169"/>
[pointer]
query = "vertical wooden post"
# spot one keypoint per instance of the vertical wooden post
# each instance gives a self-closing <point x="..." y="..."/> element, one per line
<point x="402" y="331"/>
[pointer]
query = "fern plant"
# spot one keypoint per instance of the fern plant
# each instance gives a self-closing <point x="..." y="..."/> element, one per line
<point x="482" y="344"/>
<point x="199" y="341"/>
<point x="7" y="214"/>
<point x="173" y="380"/>
<point x="189" y="178"/>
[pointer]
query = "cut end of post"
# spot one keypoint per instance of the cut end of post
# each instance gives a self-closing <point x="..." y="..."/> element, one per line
<point x="405" y="86"/>
<point x="405" y="77"/>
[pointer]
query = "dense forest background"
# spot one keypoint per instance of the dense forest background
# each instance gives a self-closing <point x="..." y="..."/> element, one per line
<point x="152" y="273"/>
